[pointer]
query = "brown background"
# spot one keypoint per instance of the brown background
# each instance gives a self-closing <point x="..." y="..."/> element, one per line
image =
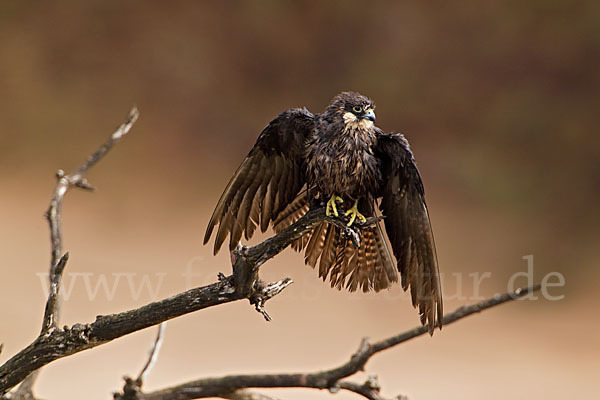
<point x="499" y="101"/>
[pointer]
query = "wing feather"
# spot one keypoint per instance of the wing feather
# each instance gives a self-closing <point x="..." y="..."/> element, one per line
<point x="269" y="178"/>
<point x="248" y="215"/>
<point x="292" y="213"/>
<point x="408" y="227"/>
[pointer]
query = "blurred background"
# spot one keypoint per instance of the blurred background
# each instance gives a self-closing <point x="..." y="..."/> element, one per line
<point x="498" y="99"/>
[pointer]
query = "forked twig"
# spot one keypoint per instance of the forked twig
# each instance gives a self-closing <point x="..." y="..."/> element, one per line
<point x="153" y="353"/>
<point x="54" y="217"/>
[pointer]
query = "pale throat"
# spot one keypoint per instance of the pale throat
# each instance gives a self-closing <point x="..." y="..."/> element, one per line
<point x="352" y="121"/>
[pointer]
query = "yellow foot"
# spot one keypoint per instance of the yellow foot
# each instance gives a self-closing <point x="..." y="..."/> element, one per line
<point x="353" y="212"/>
<point x="331" y="208"/>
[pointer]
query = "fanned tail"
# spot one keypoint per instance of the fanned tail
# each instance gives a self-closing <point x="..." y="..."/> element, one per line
<point x="367" y="268"/>
<point x="370" y="267"/>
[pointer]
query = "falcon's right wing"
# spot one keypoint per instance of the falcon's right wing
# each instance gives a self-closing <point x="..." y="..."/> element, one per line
<point x="268" y="179"/>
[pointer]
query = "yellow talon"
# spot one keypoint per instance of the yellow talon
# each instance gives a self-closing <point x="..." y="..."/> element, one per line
<point x="331" y="208"/>
<point x="354" y="213"/>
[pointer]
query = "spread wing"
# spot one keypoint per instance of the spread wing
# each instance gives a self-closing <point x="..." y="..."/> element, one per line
<point x="408" y="227"/>
<point x="268" y="179"/>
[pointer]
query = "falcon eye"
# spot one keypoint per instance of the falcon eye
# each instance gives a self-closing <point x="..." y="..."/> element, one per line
<point x="357" y="109"/>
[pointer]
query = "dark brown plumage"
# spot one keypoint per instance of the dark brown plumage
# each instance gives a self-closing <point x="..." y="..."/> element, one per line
<point x="338" y="157"/>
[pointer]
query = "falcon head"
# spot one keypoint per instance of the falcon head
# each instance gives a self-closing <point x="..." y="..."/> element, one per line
<point x="354" y="108"/>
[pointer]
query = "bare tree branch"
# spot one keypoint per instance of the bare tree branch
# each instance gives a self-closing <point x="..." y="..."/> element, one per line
<point x="330" y="379"/>
<point x="50" y="313"/>
<point x="267" y="292"/>
<point x="54" y="217"/>
<point x="370" y="389"/>
<point x="54" y="212"/>
<point x="77" y="179"/>
<point x="244" y="283"/>
<point x="153" y="354"/>
<point x="247" y="395"/>
<point x="133" y="386"/>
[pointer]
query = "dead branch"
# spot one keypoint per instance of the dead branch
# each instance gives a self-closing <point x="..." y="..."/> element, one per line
<point x="50" y="313"/>
<point x="66" y="182"/>
<point x="248" y="395"/>
<point x="370" y="389"/>
<point x="330" y="379"/>
<point x="54" y="217"/>
<point x="244" y="283"/>
<point x="152" y="354"/>
<point x="133" y="386"/>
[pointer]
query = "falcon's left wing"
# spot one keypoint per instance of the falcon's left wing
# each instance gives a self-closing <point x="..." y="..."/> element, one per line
<point x="408" y="227"/>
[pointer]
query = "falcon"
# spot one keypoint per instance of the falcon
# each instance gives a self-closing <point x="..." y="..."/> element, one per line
<point x="339" y="160"/>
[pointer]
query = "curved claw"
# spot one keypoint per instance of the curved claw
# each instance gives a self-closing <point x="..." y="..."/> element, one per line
<point x="331" y="207"/>
<point x="353" y="212"/>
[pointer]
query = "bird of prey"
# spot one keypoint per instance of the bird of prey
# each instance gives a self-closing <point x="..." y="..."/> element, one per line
<point x="341" y="160"/>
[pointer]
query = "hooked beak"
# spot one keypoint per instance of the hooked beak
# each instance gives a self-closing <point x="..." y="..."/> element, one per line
<point x="370" y="115"/>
